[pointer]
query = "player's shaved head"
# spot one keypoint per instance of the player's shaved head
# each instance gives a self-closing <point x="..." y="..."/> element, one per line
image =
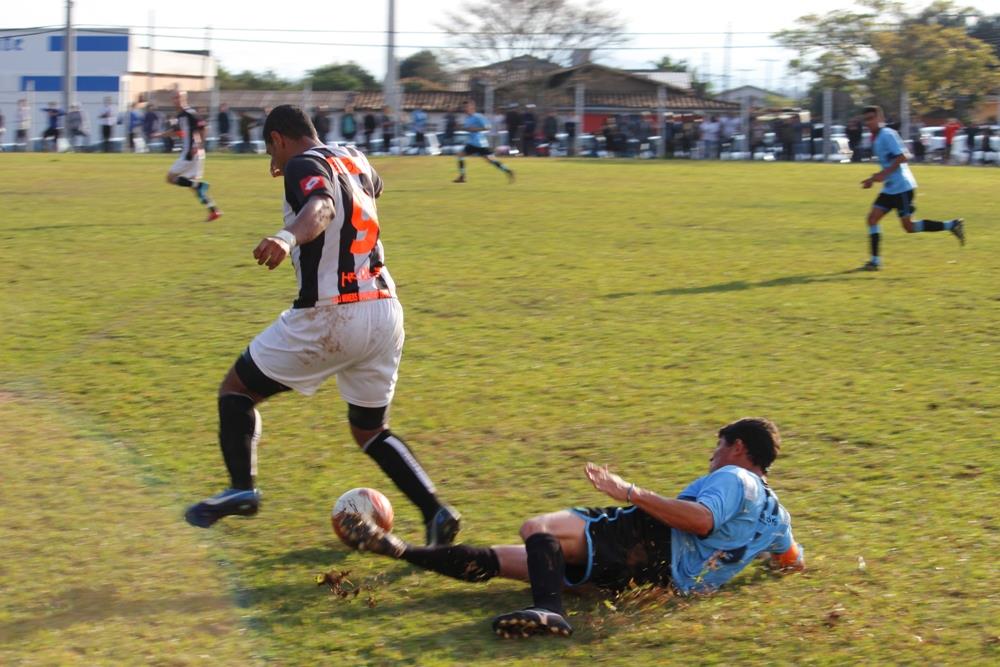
<point x="289" y="121"/>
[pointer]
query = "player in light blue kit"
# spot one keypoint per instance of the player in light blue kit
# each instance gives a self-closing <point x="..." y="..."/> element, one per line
<point x="693" y="543"/>
<point x="899" y="189"/>
<point x="477" y="126"/>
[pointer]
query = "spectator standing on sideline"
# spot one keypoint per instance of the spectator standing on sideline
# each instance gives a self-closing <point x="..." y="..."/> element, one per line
<point x="950" y="130"/>
<point x="854" y="140"/>
<point x="450" y="125"/>
<point x="223" y="124"/>
<point x="387" y="121"/>
<point x="74" y="126"/>
<point x="134" y="125"/>
<point x="150" y="124"/>
<point x="513" y="123"/>
<point x="370" y="124"/>
<point x="570" y="129"/>
<point x="987" y="135"/>
<point x="550" y="128"/>
<point x="919" y="149"/>
<point x="970" y="141"/>
<point x="321" y="121"/>
<point x="54" y="114"/>
<point x="23" y="121"/>
<point x="348" y="124"/>
<point x="529" y="125"/>
<point x="418" y="117"/>
<point x="108" y="120"/>
<point x="786" y="132"/>
<point x="3" y="129"/>
<point x="710" y="132"/>
<point x="247" y="123"/>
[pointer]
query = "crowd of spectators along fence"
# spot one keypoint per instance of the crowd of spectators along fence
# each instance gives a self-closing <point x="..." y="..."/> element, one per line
<point x="779" y="135"/>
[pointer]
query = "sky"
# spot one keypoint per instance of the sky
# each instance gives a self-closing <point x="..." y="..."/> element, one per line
<point x="696" y="34"/>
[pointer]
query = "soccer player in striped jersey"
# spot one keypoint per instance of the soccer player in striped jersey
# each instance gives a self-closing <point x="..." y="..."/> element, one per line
<point x="346" y="323"/>
<point x="899" y="189"/>
<point x="188" y="169"/>
<point x="693" y="543"/>
<point x="478" y="143"/>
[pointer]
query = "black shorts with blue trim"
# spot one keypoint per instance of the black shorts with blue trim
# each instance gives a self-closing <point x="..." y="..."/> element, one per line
<point x="623" y="544"/>
<point x="902" y="202"/>
<point x="477" y="150"/>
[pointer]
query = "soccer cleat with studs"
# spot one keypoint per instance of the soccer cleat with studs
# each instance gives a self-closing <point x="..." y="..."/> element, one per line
<point x="870" y="266"/>
<point x="531" y="621"/>
<point x="442" y="529"/>
<point x="958" y="229"/>
<point x="231" y="502"/>
<point x="365" y="535"/>
<point x="460" y="179"/>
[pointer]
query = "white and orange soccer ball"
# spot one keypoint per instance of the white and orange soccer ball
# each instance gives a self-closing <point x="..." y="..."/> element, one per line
<point x="366" y="502"/>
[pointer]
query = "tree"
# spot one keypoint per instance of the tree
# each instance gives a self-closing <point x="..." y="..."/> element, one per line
<point x="423" y="65"/>
<point x="496" y="30"/>
<point x="247" y="80"/>
<point x="668" y="64"/>
<point x="347" y="76"/>
<point x="879" y="52"/>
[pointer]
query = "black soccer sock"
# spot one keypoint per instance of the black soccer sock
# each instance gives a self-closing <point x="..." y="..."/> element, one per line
<point x="546" y="570"/>
<point x="398" y="462"/>
<point x="185" y="182"/>
<point x="933" y="226"/>
<point x="500" y="165"/>
<point x="874" y="237"/>
<point x="237" y="422"/>
<point x="461" y="166"/>
<point x="457" y="561"/>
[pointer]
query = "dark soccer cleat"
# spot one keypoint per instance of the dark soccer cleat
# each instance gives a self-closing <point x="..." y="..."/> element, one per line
<point x="959" y="230"/>
<point x="442" y="529"/>
<point x="460" y="179"/>
<point x="870" y="266"/>
<point x="531" y="621"/>
<point x="365" y="535"/>
<point x="510" y="176"/>
<point x="239" y="502"/>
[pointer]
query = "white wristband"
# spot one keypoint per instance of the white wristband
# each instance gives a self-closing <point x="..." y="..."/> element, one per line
<point x="287" y="237"/>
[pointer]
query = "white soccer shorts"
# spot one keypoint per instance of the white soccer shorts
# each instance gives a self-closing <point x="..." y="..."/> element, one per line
<point x="359" y="343"/>
<point x="192" y="169"/>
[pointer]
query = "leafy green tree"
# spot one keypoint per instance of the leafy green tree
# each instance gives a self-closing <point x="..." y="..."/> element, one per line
<point x="668" y="64"/>
<point x="346" y="76"/>
<point x="423" y="65"/>
<point x="881" y="50"/>
<point x="247" y="80"/>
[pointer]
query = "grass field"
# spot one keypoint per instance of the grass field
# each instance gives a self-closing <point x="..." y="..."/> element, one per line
<point x="610" y="311"/>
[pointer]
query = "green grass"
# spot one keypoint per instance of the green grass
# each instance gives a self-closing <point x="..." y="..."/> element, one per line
<point x="610" y="311"/>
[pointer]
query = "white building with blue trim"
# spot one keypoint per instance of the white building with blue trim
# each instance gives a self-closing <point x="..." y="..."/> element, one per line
<point x="107" y="63"/>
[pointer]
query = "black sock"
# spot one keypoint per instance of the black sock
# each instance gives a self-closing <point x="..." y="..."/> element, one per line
<point x="397" y="461"/>
<point x="461" y="166"/>
<point x="933" y="226"/>
<point x="236" y="437"/>
<point x="458" y="561"/>
<point x="499" y="165"/>
<point x="874" y="240"/>
<point x="185" y="182"/>
<point x="546" y="570"/>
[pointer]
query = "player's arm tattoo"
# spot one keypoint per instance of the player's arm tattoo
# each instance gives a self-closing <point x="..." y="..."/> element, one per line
<point x="313" y="219"/>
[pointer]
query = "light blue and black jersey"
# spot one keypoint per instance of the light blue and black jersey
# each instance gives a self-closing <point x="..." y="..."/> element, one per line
<point x="888" y="146"/>
<point x="477" y="126"/>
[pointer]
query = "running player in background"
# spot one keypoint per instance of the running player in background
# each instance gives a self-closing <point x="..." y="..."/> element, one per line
<point x="346" y="323"/>
<point x="694" y="543"/>
<point x="187" y="171"/>
<point x="478" y="143"/>
<point x="899" y="189"/>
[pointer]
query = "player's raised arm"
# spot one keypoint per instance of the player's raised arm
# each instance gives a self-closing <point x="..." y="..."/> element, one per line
<point x="685" y="515"/>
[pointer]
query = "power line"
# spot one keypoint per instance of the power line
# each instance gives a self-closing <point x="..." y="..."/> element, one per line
<point x="439" y="32"/>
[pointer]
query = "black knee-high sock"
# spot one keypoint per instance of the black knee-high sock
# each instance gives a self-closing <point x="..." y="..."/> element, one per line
<point x="873" y="239"/>
<point x="185" y="182"/>
<point x="458" y="561"/>
<point x="237" y="421"/>
<point x="461" y="166"/>
<point x="499" y="165"/>
<point x="933" y="226"/>
<point x="546" y="570"/>
<point x="398" y="462"/>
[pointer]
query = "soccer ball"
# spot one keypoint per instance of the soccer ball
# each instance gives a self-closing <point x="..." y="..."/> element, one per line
<point x="364" y="501"/>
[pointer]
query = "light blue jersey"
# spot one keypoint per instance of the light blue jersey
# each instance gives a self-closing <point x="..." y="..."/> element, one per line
<point x="748" y="520"/>
<point x="477" y="125"/>
<point x="888" y="146"/>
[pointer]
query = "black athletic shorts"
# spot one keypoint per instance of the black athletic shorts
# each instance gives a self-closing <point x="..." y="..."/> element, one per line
<point x="623" y="544"/>
<point x="476" y="150"/>
<point x="902" y="202"/>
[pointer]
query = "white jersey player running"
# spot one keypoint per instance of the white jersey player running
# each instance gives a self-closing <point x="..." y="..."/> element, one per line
<point x="346" y="322"/>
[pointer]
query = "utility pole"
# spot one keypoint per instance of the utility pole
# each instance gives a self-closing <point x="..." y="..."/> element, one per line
<point x="150" y="81"/>
<point x="390" y="84"/>
<point x="727" y="57"/>
<point x="70" y="43"/>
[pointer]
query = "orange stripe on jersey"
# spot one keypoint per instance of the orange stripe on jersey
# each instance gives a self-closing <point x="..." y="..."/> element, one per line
<point x="343" y="165"/>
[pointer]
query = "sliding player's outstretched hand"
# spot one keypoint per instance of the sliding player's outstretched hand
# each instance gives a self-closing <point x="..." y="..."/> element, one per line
<point x="271" y="251"/>
<point x="606" y="481"/>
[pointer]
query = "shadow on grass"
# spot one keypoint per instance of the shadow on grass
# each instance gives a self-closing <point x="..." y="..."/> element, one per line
<point x="91" y="605"/>
<point x="741" y="285"/>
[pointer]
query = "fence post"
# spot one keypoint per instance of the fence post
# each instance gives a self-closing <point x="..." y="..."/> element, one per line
<point x="578" y="113"/>
<point x="827" y="120"/>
